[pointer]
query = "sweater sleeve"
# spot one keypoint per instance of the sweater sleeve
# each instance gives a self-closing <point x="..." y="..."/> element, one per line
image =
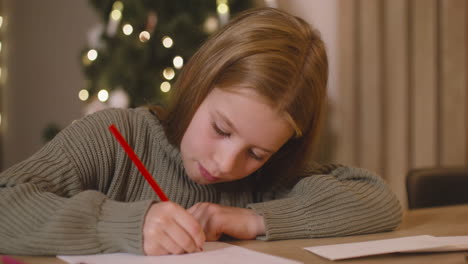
<point x="345" y="201"/>
<point x="50" y="205"/>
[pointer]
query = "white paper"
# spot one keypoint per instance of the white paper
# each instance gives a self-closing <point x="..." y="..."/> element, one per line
<point x="213" y="252"/>
<point x="452" y="243"/>
<point x="424" y="243"/>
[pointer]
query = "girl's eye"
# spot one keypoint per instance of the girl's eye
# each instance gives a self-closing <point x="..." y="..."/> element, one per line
<point x="255" y="156"/>
<point x="219" y="131"/>
<point x="222" y="133"/>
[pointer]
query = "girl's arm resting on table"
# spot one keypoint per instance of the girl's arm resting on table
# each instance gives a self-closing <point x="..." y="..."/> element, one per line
<point x="45" y="210"/>
<point x="54" y="202"/>
<point x="347" y="201"/>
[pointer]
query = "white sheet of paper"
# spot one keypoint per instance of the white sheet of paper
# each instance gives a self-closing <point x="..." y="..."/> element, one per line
<point x="213" y="252"/>
<point x="452" y="243"/>
<point x="424" y="243"/>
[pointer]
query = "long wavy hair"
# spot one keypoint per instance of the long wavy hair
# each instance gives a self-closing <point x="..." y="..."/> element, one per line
<point x="277" y="55"/>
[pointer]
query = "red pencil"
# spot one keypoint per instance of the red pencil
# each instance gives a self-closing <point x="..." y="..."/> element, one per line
<point x="138" y="163"/>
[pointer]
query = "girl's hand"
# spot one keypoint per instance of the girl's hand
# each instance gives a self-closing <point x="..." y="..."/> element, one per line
<point x="170" y="229"/>
<point x="236" y="222"/>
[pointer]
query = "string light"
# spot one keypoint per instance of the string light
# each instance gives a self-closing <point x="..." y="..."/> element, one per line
<point x="103" y="95"/>
<point x="127" y="29"/>
<point x="116" y="15"/>
<point x="83" y="95"/>
<point x="117" y="6"/>
<point x="1" y="21"/>
<point x="144" y="36"/>
<point x="223" y="8"/>
<point x="92" y="54"/>
<point x="169" y="73"/>
<point x="178" y="62"/>
<point x="165" y="87"/>
<point x="223" y="11"/>
<point x="167" y="42"/>
<point x="210" y="25"/>
<point x="114" y="18"/>
<point x="0" y="46"/>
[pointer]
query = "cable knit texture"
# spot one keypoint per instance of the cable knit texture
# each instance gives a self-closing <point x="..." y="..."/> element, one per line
<point x="81" y="194"/>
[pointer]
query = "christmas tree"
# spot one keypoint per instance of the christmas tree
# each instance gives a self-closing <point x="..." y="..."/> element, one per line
<point x="135" y="55"/>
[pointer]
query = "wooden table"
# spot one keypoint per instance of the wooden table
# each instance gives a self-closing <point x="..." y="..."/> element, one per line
<point x="441" y="221"/>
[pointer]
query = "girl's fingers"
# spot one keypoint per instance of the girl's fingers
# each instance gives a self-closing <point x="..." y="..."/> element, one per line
<point x="169" y="238"/>
<point x="170" y="244"/>
<point x="169" y="228"/>
<point x="191" y="226"/>
<point x="182" y="241"/>
<point x="196" y="212"/>
<point x="203" y="213"/>
<point x="194" y="208"/>
<point x="152" y="244"/>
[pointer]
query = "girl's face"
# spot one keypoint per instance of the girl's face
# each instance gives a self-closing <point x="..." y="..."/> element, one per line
<point x="231" y="135"/>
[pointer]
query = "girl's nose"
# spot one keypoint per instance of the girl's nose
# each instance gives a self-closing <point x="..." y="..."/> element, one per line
<point x="227" y="159"/>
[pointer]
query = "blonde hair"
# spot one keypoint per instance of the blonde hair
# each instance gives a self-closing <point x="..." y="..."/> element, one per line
<point x="277" y="55"/>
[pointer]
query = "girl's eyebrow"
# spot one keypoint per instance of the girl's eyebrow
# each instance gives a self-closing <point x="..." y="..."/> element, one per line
<point x="231" y="125"/>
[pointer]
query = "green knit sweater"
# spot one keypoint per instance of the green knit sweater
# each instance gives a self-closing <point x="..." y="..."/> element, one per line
<point x="81" y="194"/>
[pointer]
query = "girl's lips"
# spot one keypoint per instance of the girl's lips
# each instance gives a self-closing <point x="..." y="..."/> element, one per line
<point x="206" y="174"/>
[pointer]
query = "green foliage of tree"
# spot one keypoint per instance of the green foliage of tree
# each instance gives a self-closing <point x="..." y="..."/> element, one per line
<point x="136" y="67"/>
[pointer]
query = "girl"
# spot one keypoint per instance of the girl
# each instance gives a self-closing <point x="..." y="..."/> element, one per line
<point x="231" y="152"/>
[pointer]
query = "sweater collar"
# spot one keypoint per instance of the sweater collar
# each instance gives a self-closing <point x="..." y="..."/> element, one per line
<point x="157" y="130"/>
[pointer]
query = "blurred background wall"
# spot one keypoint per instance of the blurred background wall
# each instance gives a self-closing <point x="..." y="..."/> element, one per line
<point x="398" y="84"/>
<point x="402" y="86"/>
<point x="42" y="76"/>
<point x="398" y="87"/>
